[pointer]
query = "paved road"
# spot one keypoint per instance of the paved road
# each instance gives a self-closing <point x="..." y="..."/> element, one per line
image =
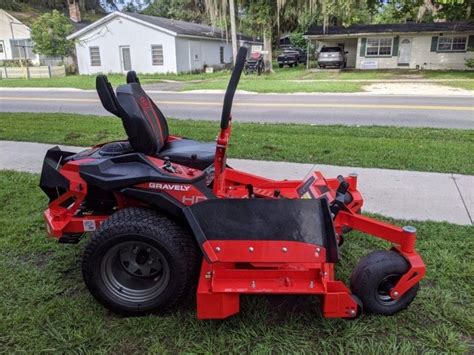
<point x="409" y="111"/>
<point x="393" y="193"/>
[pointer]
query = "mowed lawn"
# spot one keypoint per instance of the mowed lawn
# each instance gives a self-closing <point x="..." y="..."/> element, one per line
<point x="282" y="80"/>
<point x="422" y="149"/>
<point x="45" y="307"/>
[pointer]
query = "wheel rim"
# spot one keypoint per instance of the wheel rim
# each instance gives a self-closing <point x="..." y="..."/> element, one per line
<point x="386" y="285"/>
<point x="134" y="272"/>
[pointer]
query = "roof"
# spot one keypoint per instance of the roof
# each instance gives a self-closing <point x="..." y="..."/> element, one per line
<point x="411" y="27"/>
<point x="13" y="18"/>
<point x="175" y="27"/>
<point x="79" y="25"/>
<point x="28" y="18"/>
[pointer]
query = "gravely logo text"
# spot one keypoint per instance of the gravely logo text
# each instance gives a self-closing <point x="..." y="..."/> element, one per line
<point x="160" y="186"/>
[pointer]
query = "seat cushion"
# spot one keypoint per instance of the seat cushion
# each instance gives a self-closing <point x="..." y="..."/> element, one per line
<point x="180" y="152"/>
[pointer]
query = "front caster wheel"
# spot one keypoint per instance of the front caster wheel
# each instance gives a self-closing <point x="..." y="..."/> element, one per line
<point x="140" y="262"/>
<point x="375" y="276"/>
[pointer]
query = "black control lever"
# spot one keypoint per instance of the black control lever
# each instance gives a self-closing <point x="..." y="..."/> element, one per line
<point x="168" y="166"/>
<point x="343" y="185"/>
<point x="193" y="160"/>
<point x="341" y="191"/>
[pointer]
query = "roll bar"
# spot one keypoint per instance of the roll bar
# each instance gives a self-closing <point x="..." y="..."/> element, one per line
<point x="232" y="86"/>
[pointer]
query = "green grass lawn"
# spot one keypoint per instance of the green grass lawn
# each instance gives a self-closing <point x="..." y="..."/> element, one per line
<point x="423" y="149"/>
<point x="281" y="81"/>
<point x="290" y="80"/>
<point x="45" y="307"/>
<point x="277" y="86"/>
<point x="87" y="82"/>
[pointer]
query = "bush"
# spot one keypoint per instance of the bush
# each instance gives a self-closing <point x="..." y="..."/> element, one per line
<point x="49" y="33"/>
<point x="15" y="62"/>
<point x="469" y="62"/>
<point x="297" y="40"/>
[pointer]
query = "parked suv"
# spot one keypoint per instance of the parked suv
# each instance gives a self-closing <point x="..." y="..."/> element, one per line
<point x="332" y="57"/>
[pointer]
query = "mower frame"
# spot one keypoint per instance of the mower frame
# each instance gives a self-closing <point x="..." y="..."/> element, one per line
<point x="231" y="268"/>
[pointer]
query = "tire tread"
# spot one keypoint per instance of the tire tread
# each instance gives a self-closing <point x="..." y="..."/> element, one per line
<point x="146" y="222"/>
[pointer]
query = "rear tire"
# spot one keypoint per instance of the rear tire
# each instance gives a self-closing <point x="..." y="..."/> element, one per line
<point x="375" y="276"/>
<point x="139" y="262"/>
<point x="280" y="65"/>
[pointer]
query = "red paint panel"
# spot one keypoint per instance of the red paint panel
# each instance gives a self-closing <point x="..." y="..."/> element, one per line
<point x="258" y="251"/>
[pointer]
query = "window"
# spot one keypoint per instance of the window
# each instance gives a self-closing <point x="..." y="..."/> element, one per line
<point x="378" y="47"/>
<point x="221" y="54"/>
<point x="1" y="47"/>
<point x="452" y="44"/>
<point x="22" y="48"/>
<point x="157" y="54"/>
<point x="331" y="49"/>
<point x="94" y="53"/>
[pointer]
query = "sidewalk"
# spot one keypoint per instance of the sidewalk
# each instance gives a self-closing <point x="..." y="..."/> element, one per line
<point x="393" y="193"/>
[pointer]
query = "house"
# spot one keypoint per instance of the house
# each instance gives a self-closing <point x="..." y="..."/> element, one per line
<point x="439" y="45"/>
<point x="15" y="39"/>
<point x="147" y="44"/>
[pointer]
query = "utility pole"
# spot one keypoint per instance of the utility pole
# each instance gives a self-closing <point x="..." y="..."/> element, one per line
<point x="233" y="30"/>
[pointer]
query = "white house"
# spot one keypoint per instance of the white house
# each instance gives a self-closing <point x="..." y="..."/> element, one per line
<point x="439" y="45"/>
<point x="15" y="39"/>
<point x="147" y="44"/>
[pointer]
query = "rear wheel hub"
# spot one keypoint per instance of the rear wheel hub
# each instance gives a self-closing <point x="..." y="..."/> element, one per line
<point x="135" y="271"/>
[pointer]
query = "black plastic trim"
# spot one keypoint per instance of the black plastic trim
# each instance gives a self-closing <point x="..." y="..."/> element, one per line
<point x="160" y="200"/>
<point x="306" y="221"/>
<point x="126" y="170"/>
<point x="332" y="248"/>
<point x="52" y="182"/>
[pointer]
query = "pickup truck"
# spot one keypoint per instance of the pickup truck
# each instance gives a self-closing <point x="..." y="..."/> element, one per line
<point x="291" y="57"/>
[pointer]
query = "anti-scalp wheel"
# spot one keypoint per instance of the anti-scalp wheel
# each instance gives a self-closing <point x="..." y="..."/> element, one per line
<point x="375" y="276"/>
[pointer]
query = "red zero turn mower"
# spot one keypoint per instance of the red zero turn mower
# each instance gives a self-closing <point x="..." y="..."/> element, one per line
<point x="169" y="215"/>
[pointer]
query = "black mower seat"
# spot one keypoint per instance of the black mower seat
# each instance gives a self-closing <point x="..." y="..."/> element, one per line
<point x="190" y="153"/>
<point x="146" y="126"/>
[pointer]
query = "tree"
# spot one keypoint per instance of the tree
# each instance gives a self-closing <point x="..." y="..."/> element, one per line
<point x="17" y="5"/>
<point x="297" y="40"/>
<point x="185" y="10"/>
<point x="451" y="10"/>
<point x="259" y="17"/>
<point x="233" y="30"/>
<point x="400" y="11"/>
<point x="49" y="32"/>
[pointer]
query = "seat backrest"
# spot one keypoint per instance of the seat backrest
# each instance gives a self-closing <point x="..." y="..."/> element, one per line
<point x="107" y="95"/>
<point x="143" y="121"/>
<point x="132" y="77"/>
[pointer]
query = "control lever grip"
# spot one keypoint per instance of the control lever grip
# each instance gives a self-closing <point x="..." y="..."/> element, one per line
<point x="341" y="191"/>
<point x="343" y="185"/>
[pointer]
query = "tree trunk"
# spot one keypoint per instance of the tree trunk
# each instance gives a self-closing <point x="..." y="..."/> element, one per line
<point x="233" y="30"/>
<point x="267" y="47"/>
